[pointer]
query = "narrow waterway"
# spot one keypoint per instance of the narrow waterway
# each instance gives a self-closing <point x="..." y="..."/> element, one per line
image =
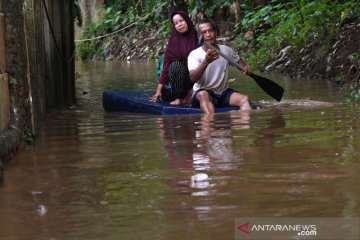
<point x="100" y="175"/>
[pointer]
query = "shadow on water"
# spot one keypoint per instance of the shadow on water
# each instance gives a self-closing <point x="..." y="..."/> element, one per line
<point x="111" y="175"/>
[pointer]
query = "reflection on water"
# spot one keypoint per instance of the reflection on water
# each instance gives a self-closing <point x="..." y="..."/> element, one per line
<point x="101" y="175"/>
<point x="202" y="142"/>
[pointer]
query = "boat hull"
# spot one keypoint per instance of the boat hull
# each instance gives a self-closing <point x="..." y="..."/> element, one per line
<point x="139" y="102"/>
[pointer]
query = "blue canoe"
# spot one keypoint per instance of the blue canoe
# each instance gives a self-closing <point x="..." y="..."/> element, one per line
<point x="138" y="102"/>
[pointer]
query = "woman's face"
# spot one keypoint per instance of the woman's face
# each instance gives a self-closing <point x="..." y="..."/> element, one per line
<point x="179" y="23"/>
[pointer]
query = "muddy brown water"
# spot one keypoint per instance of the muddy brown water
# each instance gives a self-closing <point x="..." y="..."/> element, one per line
<point x="99" y="175"/>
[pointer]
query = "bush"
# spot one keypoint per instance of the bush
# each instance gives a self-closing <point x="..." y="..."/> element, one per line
<point x="124" y="16"/>
<point x="296" y="23"/>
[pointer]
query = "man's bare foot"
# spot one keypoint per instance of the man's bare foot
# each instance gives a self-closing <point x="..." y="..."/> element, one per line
<point x="176" y="102"/>
<point x="188" y="98"/>
<point x="246" y="107"/>
<point x="185" y="101"/>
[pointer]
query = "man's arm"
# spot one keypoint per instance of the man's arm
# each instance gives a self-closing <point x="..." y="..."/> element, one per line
<point x="246" y="68"/>
<point x="196" y="73"/>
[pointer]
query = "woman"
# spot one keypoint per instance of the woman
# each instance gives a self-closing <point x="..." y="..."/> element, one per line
<point x="182" y="41"/>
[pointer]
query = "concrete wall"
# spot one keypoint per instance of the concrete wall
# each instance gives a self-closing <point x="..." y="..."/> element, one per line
<point x="59" y="53"/>
<point x="4" y="90"/>
<point x="2" y="44"/>
<point x="4" y="102"/>
<point x="12" y="59"/>
<point x="38" y="56"/>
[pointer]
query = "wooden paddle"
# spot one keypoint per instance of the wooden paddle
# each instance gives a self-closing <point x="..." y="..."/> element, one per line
<point x="270" y="87"/>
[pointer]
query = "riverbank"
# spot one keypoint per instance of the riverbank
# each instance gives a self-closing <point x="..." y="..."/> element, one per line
<point x="339" y="62"/>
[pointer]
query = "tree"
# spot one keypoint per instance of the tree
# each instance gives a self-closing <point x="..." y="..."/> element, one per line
<point x="177" y="5"/>
<point x="236" y="8"/>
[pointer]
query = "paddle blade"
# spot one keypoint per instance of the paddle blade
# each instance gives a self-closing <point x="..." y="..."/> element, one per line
<point x="270" y="87"/>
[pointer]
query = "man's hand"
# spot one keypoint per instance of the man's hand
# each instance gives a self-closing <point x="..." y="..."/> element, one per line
<point x="247" y="70"/>
<point x="211" y="55"/>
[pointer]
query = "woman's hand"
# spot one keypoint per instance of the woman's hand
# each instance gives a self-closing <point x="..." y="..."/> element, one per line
<point x="156" y="96"/>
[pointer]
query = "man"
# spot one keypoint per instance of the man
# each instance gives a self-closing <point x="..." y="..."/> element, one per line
<point x="209" y="72"/>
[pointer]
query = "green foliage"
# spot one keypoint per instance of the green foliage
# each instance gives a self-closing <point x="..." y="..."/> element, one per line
<point x="208" y="7"/>
<point x="120" y="14"/>
<point x="355" y="87"/>
<point x="87" y="49"/>
<point x="355" y="58"/>
<point x="264" y="15"/>
<point x="12" y="82"/>
<point x="355" y="90"/>
<point x="339" y="78"/>
<point x="29" y="138"/>
<point x="297" y="23"/>
<point x="357" y="95"/>
<point x="274" y="25"/>
<point x="114" y="20"/>
<point x="125" y="16"/>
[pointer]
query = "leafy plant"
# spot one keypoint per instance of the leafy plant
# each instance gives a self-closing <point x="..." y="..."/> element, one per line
<point x="29" y="138"/>
<point x="274" y="25"/>
<point x="12" y="82"/>
<point x="356" y="58"/>
<point x="355" y="90"/>
<point x="339" y="77"/>
<point x="122" y="14"/>
<point x="296" y="23"/>
<point x="87" y="49"/>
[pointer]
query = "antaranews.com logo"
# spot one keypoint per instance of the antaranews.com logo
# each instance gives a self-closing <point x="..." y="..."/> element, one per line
<point x="301" y="230"/>
<point x="297" y="228"/>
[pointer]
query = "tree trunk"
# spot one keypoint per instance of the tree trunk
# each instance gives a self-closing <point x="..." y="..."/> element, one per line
<point x="260" y="2"/>
<point x="177" y="5"/>
<point x="88" y="11"/>
<point x="237" y="12"/>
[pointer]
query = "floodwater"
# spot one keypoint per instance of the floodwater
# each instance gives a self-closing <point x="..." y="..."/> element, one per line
<point x="100" y="175"/>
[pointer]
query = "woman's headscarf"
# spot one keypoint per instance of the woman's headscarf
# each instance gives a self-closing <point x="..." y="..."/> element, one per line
<point x="180" y="45"/>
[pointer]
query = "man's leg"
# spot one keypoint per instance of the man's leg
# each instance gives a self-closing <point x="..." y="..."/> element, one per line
<point x="241" y="100"/>
<point x="205" y="102"/>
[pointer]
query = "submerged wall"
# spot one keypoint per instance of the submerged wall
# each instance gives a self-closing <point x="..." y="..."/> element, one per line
<point x="4" y="90"/>
<point x="37" y="67"/>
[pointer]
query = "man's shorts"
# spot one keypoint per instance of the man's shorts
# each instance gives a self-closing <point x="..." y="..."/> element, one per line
<point x="222" y="100"/>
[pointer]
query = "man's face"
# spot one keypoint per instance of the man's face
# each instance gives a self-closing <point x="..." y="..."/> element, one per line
<point x="208" y="32"/>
